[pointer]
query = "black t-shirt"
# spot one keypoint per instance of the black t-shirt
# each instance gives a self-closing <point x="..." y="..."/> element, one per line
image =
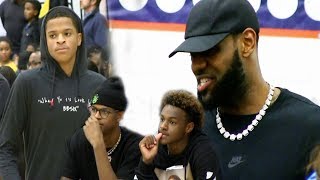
<point x="80" y="160"/>
<point x="277" y="148"/>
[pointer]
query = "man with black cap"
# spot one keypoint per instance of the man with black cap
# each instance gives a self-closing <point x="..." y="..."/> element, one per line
<point x="102" y="149"/>
<point x="252" y="124"/>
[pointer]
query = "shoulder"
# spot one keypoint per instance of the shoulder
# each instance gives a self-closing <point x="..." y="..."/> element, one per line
<point x="199" y="141"/>
<point x="3" y="82"/>
<point x="131" y="138"/>
<point x="200" y="148"/>
<point x="95" y="76"/>
<point x="24" y="78"/>
<point x="287" y="97"/>
<point x="130" y="134"/>
<point x="299" y="111"/>
<point x="296" y="106"/>
<point x="78" y="139"/>
<point x="98" y="15"/>
<point x="92" y="78"/>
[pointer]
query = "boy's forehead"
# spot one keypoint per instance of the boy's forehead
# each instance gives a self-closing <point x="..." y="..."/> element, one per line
<point x="28" y="4"/>
<point x="60" y="23"/>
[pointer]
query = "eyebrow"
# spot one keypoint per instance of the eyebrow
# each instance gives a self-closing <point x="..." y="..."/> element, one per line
<point x="53" y="31"/>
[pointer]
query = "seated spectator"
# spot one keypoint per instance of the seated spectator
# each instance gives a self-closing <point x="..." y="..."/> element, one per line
<point x="32" y="47"/>
<point x="23" y="60"/>
<point x="31" y="31"/>
<point x="180" y="149"/>
<point x="102" y="149"/>
<point x="8" y="73"/>
<point x="6" y="53"/>
<point x="100" y="57"/>
<point x="35" y="60"/>
<point x="93" y="67"/>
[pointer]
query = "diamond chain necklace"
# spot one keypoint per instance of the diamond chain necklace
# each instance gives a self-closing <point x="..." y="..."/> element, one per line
<point x="254" y="123"/>
<point x="113" y="148"/>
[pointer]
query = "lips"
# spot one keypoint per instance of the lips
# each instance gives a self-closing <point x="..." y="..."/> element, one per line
<point x="203" y="83"/>
<point x="61" y="49"/>
<point x="164" y="135"/>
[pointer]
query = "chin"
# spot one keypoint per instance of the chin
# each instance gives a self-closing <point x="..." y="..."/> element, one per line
<point x="163" y="142"/>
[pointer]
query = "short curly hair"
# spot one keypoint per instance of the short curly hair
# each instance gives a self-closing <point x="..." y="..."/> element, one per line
<point x="186" y="101"/>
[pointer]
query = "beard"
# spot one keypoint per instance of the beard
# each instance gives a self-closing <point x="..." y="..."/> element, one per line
<point x="229" y="90"/>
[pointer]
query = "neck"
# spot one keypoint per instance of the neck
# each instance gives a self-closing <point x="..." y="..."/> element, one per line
<point x="68" y="67"/>
<point x="111" y="138"/>
<point x="90" y="9"/>
<point x="252" y="101"/>
<point x="178" y="147"/>
<point x="4" y="62"/>
<point x="31" y="20"/>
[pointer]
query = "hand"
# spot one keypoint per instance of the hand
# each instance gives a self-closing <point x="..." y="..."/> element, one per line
<point x="149" y="147"/>
<point x="93" y="133"/>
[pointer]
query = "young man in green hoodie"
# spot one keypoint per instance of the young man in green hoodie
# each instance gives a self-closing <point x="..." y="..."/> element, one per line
<point x="46" y="105"/>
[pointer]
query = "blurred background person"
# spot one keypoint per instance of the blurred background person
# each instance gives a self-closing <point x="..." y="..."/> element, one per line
<point x="6" y="53"/>
<point x="35" y="60"/>
<point x="9" y="74"/>
<point x="4" y="93"/>
<point x="99" y="57"/>
<point x="93" y="67"/>
<point x="23" y="61"/>
<point x="313" y="169"/>
<point x="12" y="17"/>
<point x="31" y="31"/>
<point x="95" y="25"/>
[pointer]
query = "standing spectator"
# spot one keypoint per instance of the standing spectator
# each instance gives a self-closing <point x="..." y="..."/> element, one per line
<point x="48" y="104"/>
<point x="49" y="4"/>
<point x="55" y="3"/>
<point x="2" y="30"/>
<point x="259" y="131"/>
<point x="4" y="93"/>
<point x="31" y="32"/>
<point x="95" y="24"/>
<point x="6" y="53"/>
<point x="12" y="17"/>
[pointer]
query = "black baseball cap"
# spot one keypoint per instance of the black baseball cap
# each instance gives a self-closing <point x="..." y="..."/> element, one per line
<point x="210" y="21"/>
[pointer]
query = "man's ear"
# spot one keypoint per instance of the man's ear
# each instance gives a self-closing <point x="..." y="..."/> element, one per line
<point x="79" y="39"/>
<point x="120" y="116"/>
<point x="189" y="127"/>
<point x="248" y="42"/>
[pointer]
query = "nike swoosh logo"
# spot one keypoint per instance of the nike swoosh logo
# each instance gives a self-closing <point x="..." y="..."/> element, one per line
<point x="233" y="164"/>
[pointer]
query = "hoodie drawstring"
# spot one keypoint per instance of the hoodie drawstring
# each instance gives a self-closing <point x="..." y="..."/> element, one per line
<point x="51" y="105"/>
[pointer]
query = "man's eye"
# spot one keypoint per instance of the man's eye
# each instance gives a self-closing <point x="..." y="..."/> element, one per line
<point x="52" y="36"/>
<point x="105" y="111"/>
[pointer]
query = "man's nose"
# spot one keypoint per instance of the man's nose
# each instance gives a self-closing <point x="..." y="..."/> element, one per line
<point x="61" y="38"/>
<point x="198" y="63"/>
<point x="164" y="125"/>
<point x="97" y="114"/>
